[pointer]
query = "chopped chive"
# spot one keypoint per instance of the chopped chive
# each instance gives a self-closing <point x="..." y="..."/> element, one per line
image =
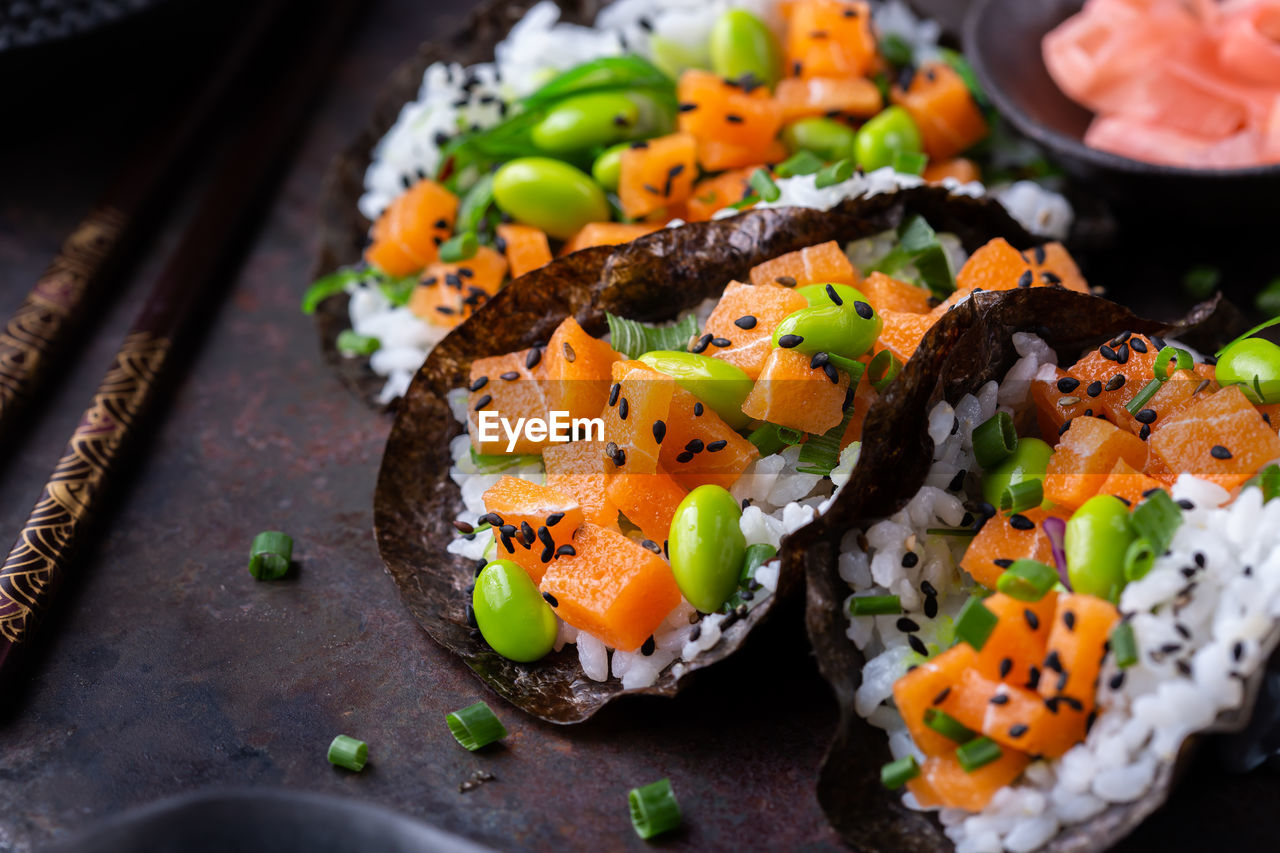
<point x="835" y="173"/>
<point x="821" y="453"/>
<point x="948" y="726"/>
<point x="1156" y="519"/>
<point x="1027" y="580"/>
<point x="1268" y="480"/>
<point x="951" y="531"/>
<point x="269" y="555"/>
<point x="1138" y="559"/>
<point x="764" y="186"/>
<point x="909" y="162"/>
<point x="896" y="50"/>
<point x="1139" y="402"/>
<point x="352" y="343"/>
<point x="883" y="369"/>
<point x="875" y="605"/>
<point x="633" y="338"/>
<point x="974" y="623"/>
<point x="349" y="753"/>
<point x="978" y="752"/>
<point x="1265" y="324"/>
<point x="757" y="555"/>
<point x="802" y="162"/>
<point x="1124" y="645"/>
<point x="1201" y="281"/>
<point x="1180" y="358"/>
<point x="895" y="774"/>
<point x="475" y="204"/>
<point x="460" y="247"/>
<point x="475" y="726"/>
<point x="1020" y="497"/>
<point x="654" y="809"/>
<point x="994" y="440"/>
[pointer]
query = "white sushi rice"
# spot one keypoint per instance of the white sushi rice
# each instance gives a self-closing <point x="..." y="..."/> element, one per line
<point x="1204" y="619"/>
<point x="777" y="500"/>
<point x="453" y="97"/>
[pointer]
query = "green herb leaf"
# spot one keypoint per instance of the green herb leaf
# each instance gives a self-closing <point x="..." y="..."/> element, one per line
<point x="764" y="186"/>
<point x="897" y="50"/>
<point x="633" y="338"/>
<point x="800" y="163"/>
<point x="836" y="173"/>
<point x="895" y="774"/>
<point x="1156" y="519"/>
<point x="909" y="162"/>
<point x="351" y="343"/>
<point x="460" y="247"/>
<point x="330" y="285"/>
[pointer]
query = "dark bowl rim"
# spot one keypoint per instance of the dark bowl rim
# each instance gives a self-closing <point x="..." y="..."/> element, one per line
<point x="1071" y="147"/>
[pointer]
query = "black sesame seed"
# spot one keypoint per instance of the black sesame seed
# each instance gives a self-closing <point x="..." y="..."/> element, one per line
<point x="479" y="383"/>
<point x="717" y="446"/>
<point x="746" y="321"/>
<point x="685" y="456"/>
<point x="1033" y="678"/>
<point x="1108" y="353"/>
<point x="1018" y="730"/>
<point x="544" y="536"/>
<point x="1025" y="279"/>
<point x="1000" y="699"/>
<point x="910" y="560"/>
<point x="687" y="108"/>
<point x="532" y="359"/>
<point x="702" y="343"/>
<point x="648" y="647"/>
<point x="1122" y="354"/>
<point x="1138" y="345"/>
<point x="721" y="342"/>
<point x="928" y="589"/>
<point x="1115" y="383"/>
<point x="833" y="296"/>
<point x="1065" y="426"/>
<point x="659" y="431"/>
<point x="917" y="645"/>
<point x="1003" y="562"/>
<point x="1050" y="279"/>
<point x="830" y="370"/>
<point x="864" y="310"/>
<point x="510" y="376"/>
<point x="1033" y="621"/>
<point x="1053" y="662"/>
<point x="1052" y="704"/>
<point x="483" y="401"/>
<point x="1219" y="452"/>
<point x="1116" y="681"/>
<point x="1067" y="384"/>
<point x="463" y="527"/>
<point x="942" y="696"/>
<point x="551" y="599"/>
<point x="1186" y="504"/>
<point x="566" y="551"/>
<point x="1146" y="416"/>
<point x="789" y="341"/>
<point x="620" y="458"/>
<point x="1006" y="665"/>
<point x="697" y="410"/>
<point x="613" y="394"/>
<point x="1199" y="558"/>
<point x="1094" y="389"/>
<point x="526" y="533"/>
<point x="695" y="445"/>
<point x="1237" y="651"/>
<point x="1072" y="702"/>
<point x="554" y="519"/>
<point x="623" y="409"/>
<point x="819" y="359"/>
<point x="1018" y="521"/>
<point x="569" y="355"/>
<point x="1145" y="432"/>
<point x="907" y="625"/>
<point x="651" y="545"/>
<point x="957" y="482"/>
<point x="471" y="617"/>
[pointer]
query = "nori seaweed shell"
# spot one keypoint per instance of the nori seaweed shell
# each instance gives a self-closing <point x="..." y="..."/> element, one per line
<point x="971" y="345"/>
<point x="650" y="279"/>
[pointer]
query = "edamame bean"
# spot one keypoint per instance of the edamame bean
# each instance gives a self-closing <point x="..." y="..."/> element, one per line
<point x="513" y="617"/>
<point x="719" y="384"/>
<point x="607" y="169"/>
<point x="829" y="139"/>
<point x="582" y="121"/>
<point x="550" y="195"/>
<point x="848" y="330"/>
<point x="891" y="131"/>
<point x="707" y="547"/>
<point x="1248" y="360"/>
<point x="1098" y="535"/>
<point x="818" y="297"/>
<point x="1027" y="462"/>
<point x="742" y="44"/>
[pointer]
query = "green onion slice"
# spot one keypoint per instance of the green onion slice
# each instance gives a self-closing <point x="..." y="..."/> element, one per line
<point x="1020" y="497"/>
<point x="654" y="809"/>
<point x="1268" y="480"/>
<point x="757" y="555"/>
<point x="803" y="162"/>
<point x="269" y="555"/>
<point x="895" y="774"/>
<point x="974" y="623"/>
<point x="1265" y="324"/>
<point x="353" y="343"/>
<point x="1124" y="645"/>
<point x="853" y="369"/>
<point x="633" y="338"/>
<point x="475" y="726"/>
<point x="330" y="285"/>
<point x="948" y="726"/>
<point x="995" y="440"/>
<point x="474" y="204"/>
<point x="460" y="247"/>
<point x="896" y="50"/>
<point x="875" y="605"/>
<point x="1139" y="557"/>
<point x="1180" y="358"/>
<point x="349" y="753"/>
<point x="1156" y="519"/>
<point x="764" y="186"/>
<point x="1027" y="580"/>
<point x="836" y="173"/>
<point x="909" y="162"/>
<point x="821" y="453"/>
<point x="883" y="369"/>
<point x="771" y="438"/>
<point x="1139" y="402"/>
<point x="978" y="752"/>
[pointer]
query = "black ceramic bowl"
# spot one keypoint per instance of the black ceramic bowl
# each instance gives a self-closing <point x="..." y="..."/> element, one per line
<point x="1002" y="41"/>
<point x="263" y="821"/>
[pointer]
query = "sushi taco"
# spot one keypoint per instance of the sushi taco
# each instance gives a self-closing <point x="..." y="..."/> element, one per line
<point x="1073" y="579"/>
<point x="544" y="130"/>
<point x="711" y="382"/>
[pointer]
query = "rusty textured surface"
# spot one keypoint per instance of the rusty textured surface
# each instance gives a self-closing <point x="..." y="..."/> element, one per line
<point x="167" y="669"/>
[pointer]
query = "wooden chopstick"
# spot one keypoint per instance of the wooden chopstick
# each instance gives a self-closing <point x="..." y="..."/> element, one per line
<point x="44" y="549"/>
<point x="90" y="255"/>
